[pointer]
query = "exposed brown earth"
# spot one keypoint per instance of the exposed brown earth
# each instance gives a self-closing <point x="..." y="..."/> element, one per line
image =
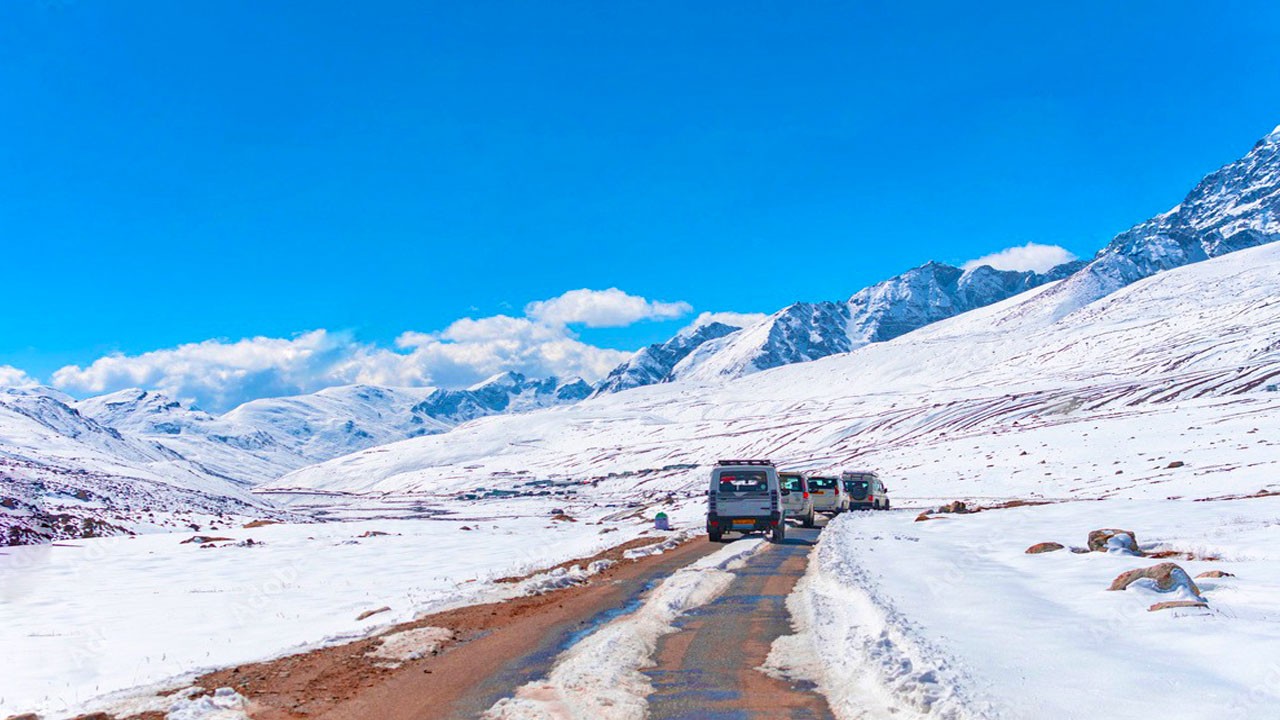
<point x="1044" y="547"/>
<point x="488" y="645"/>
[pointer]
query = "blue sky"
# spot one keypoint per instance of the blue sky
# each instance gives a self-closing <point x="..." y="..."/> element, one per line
<point x="179" y="173"/>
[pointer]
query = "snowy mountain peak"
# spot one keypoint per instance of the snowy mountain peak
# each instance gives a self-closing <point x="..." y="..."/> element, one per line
<point x="507" y="379"/>
<point x="655" y="363"/>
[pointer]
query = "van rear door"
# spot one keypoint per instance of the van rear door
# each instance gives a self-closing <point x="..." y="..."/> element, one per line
<point x="742" y="492"/>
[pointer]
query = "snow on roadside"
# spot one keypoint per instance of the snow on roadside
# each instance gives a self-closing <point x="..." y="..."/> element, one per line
<point x="110" y="614"/>
<point x="951" y="618"/>
<point x="599" y="677"/>
<point x="866" y="657"/>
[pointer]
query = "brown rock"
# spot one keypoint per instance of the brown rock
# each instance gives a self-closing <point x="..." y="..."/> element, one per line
<point x="24" y="716"/>
<point x="259" y="523"/>
<point x="205" y="539"/>
<point x="1215" y="574"/>
<point x="924" y="516"/>
<point x="372" y="533"/>
<point x="1177" y="604"/>
<point x="1098" y="539"/>
<point x="1044" y="547"/>
<point x="561" y="517"/>
<point x="1168" y="576"/>
<point x="370" y="613"/>
<point x="1174" y="464"/>
<point x="958" y="507"/>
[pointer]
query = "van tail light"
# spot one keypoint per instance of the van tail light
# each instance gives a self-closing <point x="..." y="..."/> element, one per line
<point x="806" y="494"/>
<point x="714" y="523"/>
<point x="871" y="497"/>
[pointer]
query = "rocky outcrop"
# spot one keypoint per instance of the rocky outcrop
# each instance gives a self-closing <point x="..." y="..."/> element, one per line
<point x="1165" y="577"/>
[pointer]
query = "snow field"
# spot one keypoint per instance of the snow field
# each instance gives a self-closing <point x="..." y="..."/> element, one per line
<point x="599" y="677"/>
<point x="110" y="614"/>
<point x="950" y="618"/>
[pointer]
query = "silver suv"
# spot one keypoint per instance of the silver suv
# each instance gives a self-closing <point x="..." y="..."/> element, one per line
<point x="745" y="496"/>
<point x="795" y="497"/>
<point x="865" y="490"/>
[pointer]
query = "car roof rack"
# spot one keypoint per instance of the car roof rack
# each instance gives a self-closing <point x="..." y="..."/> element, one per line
<point x="745" y="462"/>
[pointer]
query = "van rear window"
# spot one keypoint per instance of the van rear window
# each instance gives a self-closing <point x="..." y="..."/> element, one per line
<point x="822" y="483"/>
<point x="744" y="481"/>
<point x="792" y="482"/>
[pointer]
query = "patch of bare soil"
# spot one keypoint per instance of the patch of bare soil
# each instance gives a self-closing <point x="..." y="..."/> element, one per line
<point x="355" y="680"/>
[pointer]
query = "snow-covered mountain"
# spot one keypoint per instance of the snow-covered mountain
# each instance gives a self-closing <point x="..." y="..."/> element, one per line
<point x="653" y="364"/>
<point x="508" y="392"/>
<point x="807" y="331"/>
<point x="1184" y="359"/>
<point x="63" y="474"/>
<point x="339" y="420"/>
<point x="1235" y="207"/>
<point x="242" y="451"/>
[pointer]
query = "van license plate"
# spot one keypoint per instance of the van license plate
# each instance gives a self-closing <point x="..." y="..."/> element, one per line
<point x="749" y="523"/>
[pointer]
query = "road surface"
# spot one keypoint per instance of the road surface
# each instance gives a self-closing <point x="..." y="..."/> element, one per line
<point x="707" y="670"/>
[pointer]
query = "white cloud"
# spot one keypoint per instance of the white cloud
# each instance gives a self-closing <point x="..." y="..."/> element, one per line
<point x="740" y="320"/>
<point x="220" y="374"/>
<point x="1032" y="256"/>
<point x="11" y="376"/>
<point x="603" y="308"/>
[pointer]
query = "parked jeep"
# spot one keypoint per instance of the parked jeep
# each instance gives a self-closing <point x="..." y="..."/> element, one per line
<point x="827" y="495"/>
<point x="745" y="496"/>
<point x="865" y="491"/>
<point x="795" y="497"/>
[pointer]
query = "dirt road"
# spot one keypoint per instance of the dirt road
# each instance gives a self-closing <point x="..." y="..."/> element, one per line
<point x="704" y="670"/>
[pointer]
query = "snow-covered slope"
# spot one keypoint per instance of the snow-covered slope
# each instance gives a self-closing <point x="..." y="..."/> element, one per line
<point x="1193" y="349"/>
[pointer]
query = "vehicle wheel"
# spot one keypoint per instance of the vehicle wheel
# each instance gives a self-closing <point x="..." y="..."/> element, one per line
<point x="779" y="534"/>
<point x="886" y="504"/>
<point x="808" y="520"/>
<point x="716" y="536"/>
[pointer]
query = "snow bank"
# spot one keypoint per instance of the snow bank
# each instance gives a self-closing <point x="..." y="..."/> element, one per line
<point x="600" y="676"/>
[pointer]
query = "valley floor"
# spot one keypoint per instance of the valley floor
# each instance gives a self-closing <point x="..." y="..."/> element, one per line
<point x="945" y="618"/>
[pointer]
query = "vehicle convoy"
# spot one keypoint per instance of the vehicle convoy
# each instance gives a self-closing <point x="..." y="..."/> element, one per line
<point x="796" y="500"/>
<point x="745" y="496"/>
<point x="865" y="491"/>
<point x="828" y="496"/>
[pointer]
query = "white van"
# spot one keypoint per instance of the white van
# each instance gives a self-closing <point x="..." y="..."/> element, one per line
<point x="796" y="502"/>
<point x="745" y="496"/>
<point x="827" y="495"/>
